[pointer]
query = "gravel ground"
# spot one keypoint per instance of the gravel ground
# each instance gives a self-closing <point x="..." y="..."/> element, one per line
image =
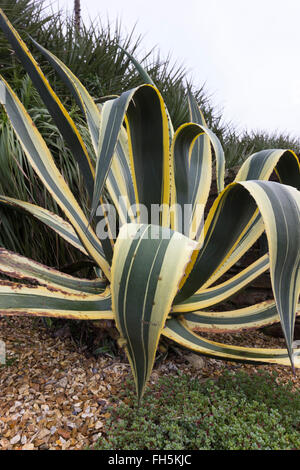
<point x="53" y="396"/>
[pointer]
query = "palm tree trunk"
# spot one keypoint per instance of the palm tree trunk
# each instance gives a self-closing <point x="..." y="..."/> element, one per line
<point x="77" y="14"/>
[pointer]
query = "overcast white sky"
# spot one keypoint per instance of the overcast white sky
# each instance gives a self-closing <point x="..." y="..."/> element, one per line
<point x="247" y="52"/>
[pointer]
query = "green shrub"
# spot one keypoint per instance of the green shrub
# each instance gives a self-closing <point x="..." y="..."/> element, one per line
<point x="237" y="412"/>
<point x="238" y="146"/>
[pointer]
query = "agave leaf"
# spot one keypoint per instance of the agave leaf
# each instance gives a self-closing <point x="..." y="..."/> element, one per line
<point x="260" y="166"/>
<point x="143" y="74"/>
<point x="178" y="331"/>
<point x="119" y="181"/>
<point x="20" y="267"/>
<point x="57" y="110"/>
<point x="148" y="137"/>
<point x="148" y="264"/>
<point x="228" y="220"/>
<point x="279" y="207"/>
<point x="252" y="233"/>
<point x="42" y="162"/>
<point x="191" y="162"/>
<point x="247" y="219"/>
<point x="53" y="221"/>
<point x="81" y="95"/>
<point x="102" y="99"/>
<point x="195" y="112"/>
<point x="18" y="299"/>
<point x="113" y="113"/>
<point x="255" y="316"/>
<point x="214" y="295"/>
<point x="147" y="129"/>
<point x="147" y="79"/>
<point x="196" y="116"/>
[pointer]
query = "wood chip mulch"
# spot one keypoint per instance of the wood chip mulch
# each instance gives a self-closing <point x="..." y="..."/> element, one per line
<point x="53" y="396"/>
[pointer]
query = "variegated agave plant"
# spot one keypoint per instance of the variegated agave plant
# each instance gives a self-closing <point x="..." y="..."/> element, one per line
<point x="167" y="284"/>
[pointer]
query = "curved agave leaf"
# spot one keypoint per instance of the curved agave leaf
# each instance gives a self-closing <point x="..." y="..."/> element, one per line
<point x="81" y="95"/>
<point x="196" y="116"/>
<point x="119" y="180"/>
<point x="228" y="220"/>
<point x="178" y="331"/>
<point x="147" y="79"/>
<point x="279" y="207"/>
<point x="260" y="166"/>
<point x="53" y="221"/>
<point x="113" y="113"/>
<point x="147" y="129"/>
<point x="255" y="316"/>
<point x="214" y="295"/>
<point x="58" y="112"/>
<point x="251" y="235"/>
<point x="148" y="264"/>
<point x="20" y="267"/>
<point x="283" y="161"/>
<point x="191" y="162"/>
<point x="18" y="299"/>
<point x="42" y="162"/>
